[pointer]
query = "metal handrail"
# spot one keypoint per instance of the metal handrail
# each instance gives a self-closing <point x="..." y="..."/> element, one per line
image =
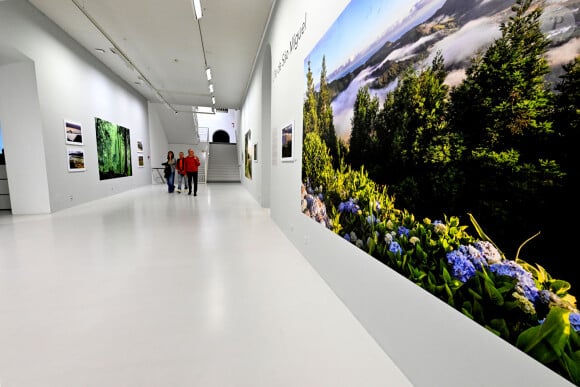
<point x="160" y="174"/>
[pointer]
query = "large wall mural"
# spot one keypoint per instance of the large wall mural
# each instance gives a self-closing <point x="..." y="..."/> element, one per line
<point x="114" y="150"/>
<point x="439" y="137"/>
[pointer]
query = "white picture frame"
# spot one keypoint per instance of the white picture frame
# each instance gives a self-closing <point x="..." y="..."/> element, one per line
<point x="76" y="159"/>
<point x="287" y="142"/>
<point x="73" y="133"/>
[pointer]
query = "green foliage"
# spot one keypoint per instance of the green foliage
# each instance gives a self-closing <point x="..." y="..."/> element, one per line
<point x="363" y="134"/>
<point x="316" y="161"/>
<point x="324" y="111"/>
<point x="554" y="343"/>
<point x="310" y="115"/>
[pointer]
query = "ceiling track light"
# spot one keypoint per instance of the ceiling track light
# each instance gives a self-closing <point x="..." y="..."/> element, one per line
<point x="197" y="6"/>
<point x="197" y="9"/>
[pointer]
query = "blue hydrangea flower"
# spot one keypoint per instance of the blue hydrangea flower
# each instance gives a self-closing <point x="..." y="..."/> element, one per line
<point x="474" y="255"/>
<point x="526" y="284"/>
<point x="544" y="297"/>
<point x="321" y="196"/>
<point x="463" y="268"/>
<point x="347" y="237"/>
<point x="309" y="201"/>
<point x="575" y="321"/>
<point x="349" y="206"/>
<point x="395" y="248"/>
<point x="403" y="231"/>
<point x="489" y="252"/>
<point x="371" y="219"/>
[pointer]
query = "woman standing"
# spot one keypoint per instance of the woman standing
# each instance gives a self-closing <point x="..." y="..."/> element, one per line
<point x="170" y="171"/>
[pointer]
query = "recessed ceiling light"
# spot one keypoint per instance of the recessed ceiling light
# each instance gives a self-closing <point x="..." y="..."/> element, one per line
<point x="197" y="9"/>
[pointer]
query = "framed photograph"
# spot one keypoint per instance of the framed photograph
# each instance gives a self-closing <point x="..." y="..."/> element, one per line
<point x="141" y="161"/>
<point x="139" y="146"/>
<point x="113" y="150"/>
<point x="287" y="141"/>
<point x="76" y="159"/>
<point x="256" y="152"/>
<point x="73" y="133"/>
<point x="248" y="154"/>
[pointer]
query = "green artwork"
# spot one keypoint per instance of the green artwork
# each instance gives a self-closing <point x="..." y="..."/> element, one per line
<point x="114" y="150"/>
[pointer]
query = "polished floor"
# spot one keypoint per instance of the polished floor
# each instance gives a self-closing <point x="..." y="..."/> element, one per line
<point x="147" y="288"/>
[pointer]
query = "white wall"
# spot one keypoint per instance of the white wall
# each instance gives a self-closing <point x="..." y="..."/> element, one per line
<point x="433" y="344"/>
<point x="251" y="120"/>
<point x="23" y="139"/>
<point x="219" y="121"/>
<point x="158" y="138"/>
<point x="70" y="84"/>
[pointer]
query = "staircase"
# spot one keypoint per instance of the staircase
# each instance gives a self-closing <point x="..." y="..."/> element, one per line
<point x="222" y="164"/>
<point x="4" y="194"/>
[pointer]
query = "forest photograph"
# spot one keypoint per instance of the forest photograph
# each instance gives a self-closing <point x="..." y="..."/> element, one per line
<point x="248" y="155"/>
<point x="440" y="139"/>
<point x="113" y="149"/>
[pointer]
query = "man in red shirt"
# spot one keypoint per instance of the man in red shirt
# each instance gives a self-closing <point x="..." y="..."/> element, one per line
<point x="191" y="165"/>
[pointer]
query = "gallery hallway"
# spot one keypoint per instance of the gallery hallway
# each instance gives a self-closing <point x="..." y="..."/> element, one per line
<point x="147" y="288"/>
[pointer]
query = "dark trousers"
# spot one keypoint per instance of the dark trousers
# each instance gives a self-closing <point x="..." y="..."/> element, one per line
<point x="192" y="176"/>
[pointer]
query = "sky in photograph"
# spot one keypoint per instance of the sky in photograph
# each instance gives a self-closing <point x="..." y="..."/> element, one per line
<point x="361" y="29"/>
<point x="362" y="24"/>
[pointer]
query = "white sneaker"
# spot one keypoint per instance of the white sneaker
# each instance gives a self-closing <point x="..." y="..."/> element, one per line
<point x="178" y="190"/>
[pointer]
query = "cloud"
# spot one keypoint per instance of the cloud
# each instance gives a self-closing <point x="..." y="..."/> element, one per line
<point x="565" y="53"/>
<point x="462" y="45"/>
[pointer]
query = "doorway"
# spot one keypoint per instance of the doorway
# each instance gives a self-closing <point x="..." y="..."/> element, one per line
<point x="220" y="136"/>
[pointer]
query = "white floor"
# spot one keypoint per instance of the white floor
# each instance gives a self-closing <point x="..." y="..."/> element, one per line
<point x="147" y="288"/>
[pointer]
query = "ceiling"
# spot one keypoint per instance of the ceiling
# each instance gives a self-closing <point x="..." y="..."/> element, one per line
<point x="161" y="49"/>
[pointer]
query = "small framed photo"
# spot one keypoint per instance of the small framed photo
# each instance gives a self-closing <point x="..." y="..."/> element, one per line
<point x="76" y="159"/>
<point x="287" y="142"/>
<point x="141" y="161"/>
<point x="139" y="146"/>
<point x="256" y="152"/>
<point x="73" y="133"/>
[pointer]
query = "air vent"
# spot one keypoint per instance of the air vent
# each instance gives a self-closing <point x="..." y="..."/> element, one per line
<point x="221" y="110"/>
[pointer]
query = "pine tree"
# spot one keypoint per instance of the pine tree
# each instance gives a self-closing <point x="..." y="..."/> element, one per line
<point x="310" y="114"/>
<point x="325" y="115"/>
<point x="363" y="136"/>
<point x="420" y="154"/>
<point x="502" y="110"/>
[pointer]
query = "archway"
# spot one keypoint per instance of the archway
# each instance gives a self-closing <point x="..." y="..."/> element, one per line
<point x="220" y="136"/>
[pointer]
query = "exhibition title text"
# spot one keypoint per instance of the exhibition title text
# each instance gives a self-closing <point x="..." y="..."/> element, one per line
<point x="292" y="47"/>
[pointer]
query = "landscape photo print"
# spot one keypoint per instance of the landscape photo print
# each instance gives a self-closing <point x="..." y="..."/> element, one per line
<point x="440" y="139"/>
